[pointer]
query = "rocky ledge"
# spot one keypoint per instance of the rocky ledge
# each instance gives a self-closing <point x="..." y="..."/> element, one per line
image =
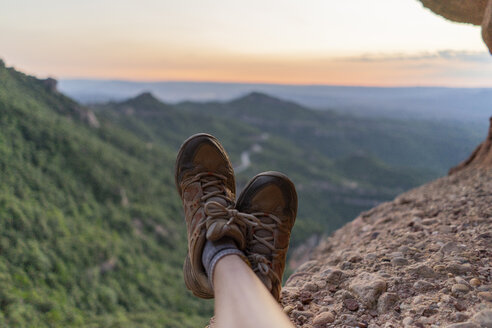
<point x="423" y="260"/>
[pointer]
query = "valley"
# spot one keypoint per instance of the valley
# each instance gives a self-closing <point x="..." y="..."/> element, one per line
<point x="92" y="232"/>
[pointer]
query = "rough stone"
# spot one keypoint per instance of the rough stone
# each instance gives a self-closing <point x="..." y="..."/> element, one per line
<point x="311" y="287"/>
<point x="486" y="296"/>
<point x="334" y="276"/>
<point x="348" y="319"/>
<point x="475" y="282"/>
<point x="399" y="261"/>
<point x="459" y="289"/>
<point x="483" y="318"/>
<point x="351" y="304"/>
<point x="457" y="268"/>
<point x="423" y="285"/>
<point x="423" y="271"/>
<point x="463" y="325"/>
<point x="459" y="306"/>
<point x="288" y="309"/>
<point x="305" y="297"/>
<point x="450" y="247"/>
<point x="386" y="302"/>
<point x="367" y="287"/>
<point x="407" y="321"/>
<point x="322" y="319"/>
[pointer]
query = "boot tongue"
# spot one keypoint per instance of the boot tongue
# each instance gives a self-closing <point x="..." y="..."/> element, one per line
<point x="217" y="199"/>
<point x="260" y="248"/>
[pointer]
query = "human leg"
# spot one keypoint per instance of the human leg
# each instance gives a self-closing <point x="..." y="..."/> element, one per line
<point x="234" y="253"/>
<point x="242" y="300"/>
<point x="247" y="298"/>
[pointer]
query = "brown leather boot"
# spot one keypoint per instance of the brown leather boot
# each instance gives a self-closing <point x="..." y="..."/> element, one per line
<point x="272" y="199"/>
<point x="205" y="181"/>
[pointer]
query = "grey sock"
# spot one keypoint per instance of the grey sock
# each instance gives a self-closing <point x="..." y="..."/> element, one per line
<point x="214" y="251"/>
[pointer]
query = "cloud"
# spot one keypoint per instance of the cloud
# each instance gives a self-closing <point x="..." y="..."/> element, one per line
<point x="453" y="55"/>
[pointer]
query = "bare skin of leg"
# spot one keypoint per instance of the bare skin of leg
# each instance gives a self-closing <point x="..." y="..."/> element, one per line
<point x="241" y="299"/>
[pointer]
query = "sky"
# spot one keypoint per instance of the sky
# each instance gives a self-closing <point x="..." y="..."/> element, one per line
<point x="358" y="42"/>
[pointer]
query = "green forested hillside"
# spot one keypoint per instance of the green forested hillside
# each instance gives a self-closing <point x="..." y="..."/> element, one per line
<point x="91" y="229"/>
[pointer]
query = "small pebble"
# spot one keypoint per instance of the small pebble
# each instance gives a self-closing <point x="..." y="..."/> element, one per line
<point x="460" y="317"/>
<point x="323" y="318"/>
<point x="459" y="306"/>
<point x="423" y="271"/>
<point x="328" y="300"/>
<point x="439" y="268"/>
<point x="312" y="287"/>
<point x="351" y="304"/>
<point x="399" y="261"/>
<point x="288" y="309"/>
<point x="407" y="321"/>
<point x="306" y="297"/>
<point x="475" y="282"/>
<point x="458" y="289"/>
<point x="423" y="285"/>
<point x="456" y="268"/>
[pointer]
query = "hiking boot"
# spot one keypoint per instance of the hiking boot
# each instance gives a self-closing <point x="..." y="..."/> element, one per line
<point x="205" y="181"/>
<point x="271" y="198"/>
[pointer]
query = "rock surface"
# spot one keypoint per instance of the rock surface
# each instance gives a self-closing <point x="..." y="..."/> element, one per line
<point x="477" y="12"/>
<point x="461" y="11"/>
<point x="423" y="260"/>
<point x="481" y="156"/>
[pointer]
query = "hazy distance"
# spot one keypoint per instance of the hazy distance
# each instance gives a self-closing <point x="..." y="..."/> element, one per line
<point x="469" y="104"/>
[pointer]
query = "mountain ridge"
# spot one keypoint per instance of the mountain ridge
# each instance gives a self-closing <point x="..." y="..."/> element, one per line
<point x="434" y="103"/>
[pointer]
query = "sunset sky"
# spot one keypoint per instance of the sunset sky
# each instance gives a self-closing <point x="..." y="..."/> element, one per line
<point x="358" y="42"/>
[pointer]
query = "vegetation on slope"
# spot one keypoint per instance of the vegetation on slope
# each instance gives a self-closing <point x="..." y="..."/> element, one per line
<point x="91" y="231"/>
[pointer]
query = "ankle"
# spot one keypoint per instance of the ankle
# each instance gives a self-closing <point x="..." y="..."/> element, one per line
<point x="213" y="251"/>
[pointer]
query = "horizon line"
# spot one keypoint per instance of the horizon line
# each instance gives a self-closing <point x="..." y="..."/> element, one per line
<point x="401" y="86"/>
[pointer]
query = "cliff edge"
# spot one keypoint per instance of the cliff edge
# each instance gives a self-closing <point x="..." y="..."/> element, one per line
<point x="422" y="260"/>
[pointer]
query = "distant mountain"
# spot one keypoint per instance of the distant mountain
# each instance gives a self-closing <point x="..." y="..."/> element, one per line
<point x="144" y="102"/>
<point x="403" y="143"/>
<point x="434" y="103"/>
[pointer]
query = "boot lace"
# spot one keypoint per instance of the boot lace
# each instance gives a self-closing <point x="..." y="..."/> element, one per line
<point x="213" y="185"/>
<point x="261" y="263"/>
